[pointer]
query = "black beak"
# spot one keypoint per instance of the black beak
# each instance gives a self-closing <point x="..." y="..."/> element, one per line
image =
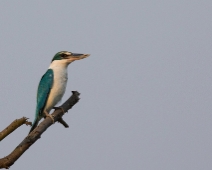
<point x="79" y="56"/>
<point x="76" y="54"/>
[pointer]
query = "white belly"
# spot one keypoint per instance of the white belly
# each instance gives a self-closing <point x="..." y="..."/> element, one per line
<point x="58" y="88"/>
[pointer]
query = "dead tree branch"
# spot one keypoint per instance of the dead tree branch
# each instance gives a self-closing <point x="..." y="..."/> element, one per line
<point x="13" y="126"/>
<point x="9" y="160"/>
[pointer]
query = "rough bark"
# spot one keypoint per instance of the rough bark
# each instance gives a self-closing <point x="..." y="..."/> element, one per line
<point x="13" y="126"/>
<point x="9" y="160"/>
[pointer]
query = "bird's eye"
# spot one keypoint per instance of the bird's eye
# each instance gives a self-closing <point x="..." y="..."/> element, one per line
<point x="63" y="55"/>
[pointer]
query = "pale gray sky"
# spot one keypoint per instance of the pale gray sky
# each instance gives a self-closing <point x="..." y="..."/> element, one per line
<point x="145" y="90"/>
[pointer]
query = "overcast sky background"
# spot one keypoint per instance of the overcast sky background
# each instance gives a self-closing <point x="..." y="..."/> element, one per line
<point x="145" y="90"/>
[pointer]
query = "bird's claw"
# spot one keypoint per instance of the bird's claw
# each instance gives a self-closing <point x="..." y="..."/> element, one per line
<point x="49" y="115"/>
<point x="52" y="117"/>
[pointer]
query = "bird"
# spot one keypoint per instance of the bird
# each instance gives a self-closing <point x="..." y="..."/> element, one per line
<point x="52" y="85"/>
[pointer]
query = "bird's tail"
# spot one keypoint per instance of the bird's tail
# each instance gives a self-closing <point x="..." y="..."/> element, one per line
<point x="34" y="125"/>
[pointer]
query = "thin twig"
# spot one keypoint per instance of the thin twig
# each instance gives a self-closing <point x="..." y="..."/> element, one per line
<point x="13" y="126"/>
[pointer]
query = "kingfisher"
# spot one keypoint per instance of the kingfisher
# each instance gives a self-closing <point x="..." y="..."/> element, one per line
<point x="53" y="84"/>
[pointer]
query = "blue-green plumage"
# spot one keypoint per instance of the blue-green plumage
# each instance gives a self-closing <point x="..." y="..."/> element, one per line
<point x="44" y="88"/>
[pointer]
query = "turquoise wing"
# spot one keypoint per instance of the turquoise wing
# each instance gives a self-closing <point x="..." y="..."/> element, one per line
<point x="44" y="89"/>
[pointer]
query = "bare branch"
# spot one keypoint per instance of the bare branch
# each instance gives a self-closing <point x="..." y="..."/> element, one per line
<point x="9" y="160"/>
<point x="13" y="126"/>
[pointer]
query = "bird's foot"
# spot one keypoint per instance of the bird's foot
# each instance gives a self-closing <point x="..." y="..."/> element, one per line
<point x="49" y="115"/>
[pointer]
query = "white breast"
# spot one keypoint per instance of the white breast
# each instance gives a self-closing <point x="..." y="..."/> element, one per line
<point x="59" y="85"/>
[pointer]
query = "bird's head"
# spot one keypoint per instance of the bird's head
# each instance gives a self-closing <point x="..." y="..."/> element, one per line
<point x="68" y="57"/>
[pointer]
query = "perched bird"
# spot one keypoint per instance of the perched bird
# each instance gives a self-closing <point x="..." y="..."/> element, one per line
<point x="53" y="84"/>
